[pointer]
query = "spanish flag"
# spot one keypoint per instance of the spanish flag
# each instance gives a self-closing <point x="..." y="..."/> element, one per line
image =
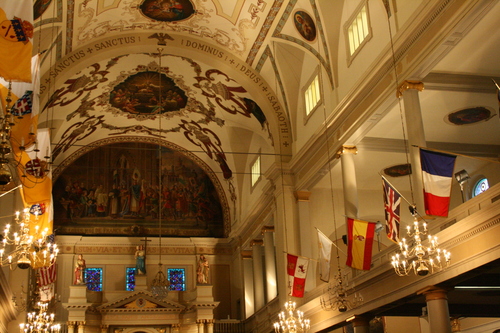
<point x="359" y="243"/>
<point x="16" y="33"/>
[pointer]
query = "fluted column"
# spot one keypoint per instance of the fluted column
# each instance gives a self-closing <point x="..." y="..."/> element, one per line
<point x="201" y="325"/>
<point x="285" y="224"/>
<point x="210" y="326"/>
<point x="270" y="263"/>
<point x="349" y="181"/>
<point x="71" y="326"/>
<point x="308" y="239"/>
<point x="249" y="302"/>
<point x="415" y="135"/>
<point x="360" y="324"/>
<point x="81" y="326"/>
<point x="437" y="309"/>
<point x="258" y="275"/>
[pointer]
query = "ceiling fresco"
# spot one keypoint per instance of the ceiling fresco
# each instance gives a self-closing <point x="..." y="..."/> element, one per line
<point x="194" y="73"/>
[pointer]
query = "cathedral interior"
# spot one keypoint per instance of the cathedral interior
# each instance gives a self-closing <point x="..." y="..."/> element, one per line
<point x="192" y="146"/>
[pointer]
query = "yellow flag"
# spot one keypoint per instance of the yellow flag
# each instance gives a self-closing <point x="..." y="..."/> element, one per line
<point x="16" y="33"/>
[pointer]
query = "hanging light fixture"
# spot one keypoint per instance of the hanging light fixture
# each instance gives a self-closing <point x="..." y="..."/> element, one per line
<point x="336" y="298"/>
<point x="291" y="321"/>
<point x="414" y="255"/>
<point x="40" y="322"/>
<point x="29" y="249"/>
<point x="160" y="284"/>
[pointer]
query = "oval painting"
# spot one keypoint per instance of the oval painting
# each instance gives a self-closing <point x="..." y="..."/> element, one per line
<point x="305" y="25"/>
<point x="167" y="10"/>
<point x="144" y="92"/>
<point x="469" y="116"/>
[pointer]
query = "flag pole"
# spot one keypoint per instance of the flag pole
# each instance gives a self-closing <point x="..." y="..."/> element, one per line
<point x="301" y="256"/>
<point x="457" y="154"/>
<point x="496" y="84"/>
<point x="402" y="196"/>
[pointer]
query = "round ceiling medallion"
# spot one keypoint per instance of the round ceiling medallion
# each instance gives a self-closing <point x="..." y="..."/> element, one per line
<point x="469" y="116"/>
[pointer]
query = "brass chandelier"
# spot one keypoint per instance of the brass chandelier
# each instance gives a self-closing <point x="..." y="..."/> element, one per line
<point x="40" y="322"/>
<point x="291" y="321"/>
<point x="336" y="297"/>
<point x="419" y="255"/>
<point x="31" y="248"/>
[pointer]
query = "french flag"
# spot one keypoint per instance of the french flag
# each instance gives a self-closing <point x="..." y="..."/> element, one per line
<point x="437" y="172"/>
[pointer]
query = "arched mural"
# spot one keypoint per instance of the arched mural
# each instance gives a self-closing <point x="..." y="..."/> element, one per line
<point x="125" y="188"/>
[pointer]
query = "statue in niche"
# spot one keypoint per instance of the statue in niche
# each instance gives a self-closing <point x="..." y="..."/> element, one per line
<point x="140" y="260"/>
<point x="80" y="267"/>
<point x="203" y="270"/>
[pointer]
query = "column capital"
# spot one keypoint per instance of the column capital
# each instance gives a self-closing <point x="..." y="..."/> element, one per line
<point x="433" y="293"/>
<point x="407" y="85"/>
<point x="302" y="195"/>
<point x="348" y="149"/>
<point x="246" y="254"/>
<point x="267" y="228"/>
<point x="256" y="242"/>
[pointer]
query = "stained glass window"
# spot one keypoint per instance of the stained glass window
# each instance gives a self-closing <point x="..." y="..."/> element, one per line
<point x="93" y="277"/>
<point x="130" y="279"/>
<point x="177" y="278"/>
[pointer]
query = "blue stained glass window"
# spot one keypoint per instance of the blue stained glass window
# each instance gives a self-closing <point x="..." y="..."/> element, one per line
<point x="130" y="279"/>
<point x="177" y="278"/>
<point x="93" y="277"/>
<point x="481" y="186"/>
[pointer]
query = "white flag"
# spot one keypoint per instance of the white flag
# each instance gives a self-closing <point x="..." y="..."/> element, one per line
<point x="325" y="251"/>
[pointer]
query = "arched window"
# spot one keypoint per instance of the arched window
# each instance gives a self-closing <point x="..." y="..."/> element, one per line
<point x="481" y="186"/>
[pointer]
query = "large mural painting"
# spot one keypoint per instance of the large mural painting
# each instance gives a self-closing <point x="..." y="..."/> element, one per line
<point x="129" y="188"/>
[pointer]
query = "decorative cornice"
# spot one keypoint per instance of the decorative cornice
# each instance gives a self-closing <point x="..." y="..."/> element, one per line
<point x="267" y="228"/>
<point x="256" y="242"/>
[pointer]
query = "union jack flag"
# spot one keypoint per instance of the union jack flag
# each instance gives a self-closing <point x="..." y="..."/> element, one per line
<point x="392" y="204"/>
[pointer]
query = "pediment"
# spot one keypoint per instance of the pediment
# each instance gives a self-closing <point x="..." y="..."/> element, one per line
<point x="142" y="301"/>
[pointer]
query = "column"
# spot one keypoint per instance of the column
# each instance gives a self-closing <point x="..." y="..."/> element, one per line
<point x="210" y="326"/>
<point x="415" y="135"/>
<point x="104" y="328"/>
<point x="360" y="324"/>
<point x="437" y="309"/>
<point x="81" y="326"/>
<point x="258" y="275"/>
<point x="201" y="325"/>
<point x="308" y="238"/>
<point x="349" y="181"/>
<point x="176" y="328"/>
<point x="249" y="302"/>
<point x="285" y="224"/>
<point x="270" y="263"/>
<point x="71" y="326"/>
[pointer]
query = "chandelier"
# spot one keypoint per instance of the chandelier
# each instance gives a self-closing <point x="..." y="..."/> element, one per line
<point x="336" y="297"/>
<point x="160" y="284"/>
<point x="414" y="256"/>
<point x="33" y="250"/>
<point x="291" y="322"/>
<point x="40" y="322"/>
